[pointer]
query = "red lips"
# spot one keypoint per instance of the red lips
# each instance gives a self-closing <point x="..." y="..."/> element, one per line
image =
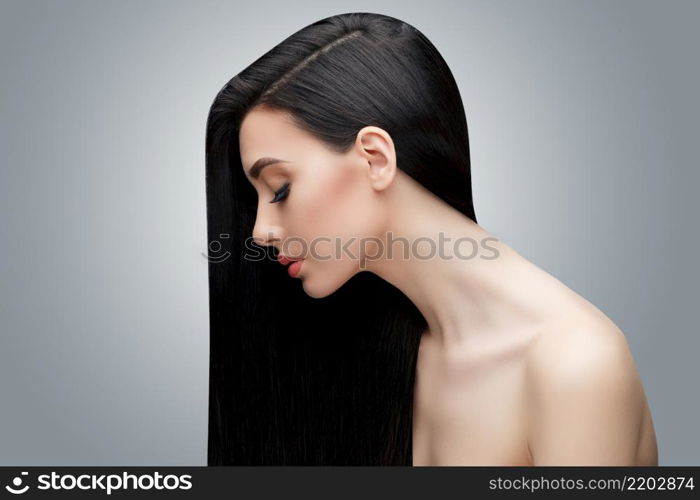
<point x="284" y="260"/>
<point x="294" y="264"/>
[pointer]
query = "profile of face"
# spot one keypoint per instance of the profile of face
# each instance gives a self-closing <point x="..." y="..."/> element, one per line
<point x="334" y="206"/>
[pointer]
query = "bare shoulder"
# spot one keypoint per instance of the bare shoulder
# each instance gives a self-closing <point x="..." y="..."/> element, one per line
<point x="585" y="400"/>
<point x="581" y="349"/>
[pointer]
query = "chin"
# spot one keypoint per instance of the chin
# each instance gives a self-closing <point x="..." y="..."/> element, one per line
<point x="316" y="292"/>
<point x="319" y="285"/>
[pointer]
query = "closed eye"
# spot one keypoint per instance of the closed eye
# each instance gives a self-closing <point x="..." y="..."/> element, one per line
<point x="281" y="194"/>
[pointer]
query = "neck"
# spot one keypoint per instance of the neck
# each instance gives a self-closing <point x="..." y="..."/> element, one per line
<point x="467" y="287"/>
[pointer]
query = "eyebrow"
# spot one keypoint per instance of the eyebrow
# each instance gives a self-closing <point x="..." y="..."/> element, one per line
<point x="262" y="163"/>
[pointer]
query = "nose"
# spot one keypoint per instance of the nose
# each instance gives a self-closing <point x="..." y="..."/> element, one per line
<point x="266" y="231"/>
<point x="265" y="234"/>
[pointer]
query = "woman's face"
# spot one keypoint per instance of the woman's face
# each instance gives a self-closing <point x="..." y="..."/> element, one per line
<point x="333" y="204"/>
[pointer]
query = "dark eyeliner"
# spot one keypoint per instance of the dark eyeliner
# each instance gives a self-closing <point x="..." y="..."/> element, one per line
<point x="281" y="194"/>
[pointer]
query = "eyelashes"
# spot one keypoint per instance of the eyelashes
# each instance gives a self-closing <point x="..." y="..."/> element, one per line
<point x="281" y="194"/>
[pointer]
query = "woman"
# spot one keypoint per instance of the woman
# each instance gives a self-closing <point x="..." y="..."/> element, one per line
<point x="407" y="334"/>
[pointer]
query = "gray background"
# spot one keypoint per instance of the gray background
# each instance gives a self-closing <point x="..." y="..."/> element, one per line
<point x="583" y="123"/>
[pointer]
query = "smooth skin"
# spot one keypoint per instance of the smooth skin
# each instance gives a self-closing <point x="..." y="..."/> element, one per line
<point x="514" y="368"/>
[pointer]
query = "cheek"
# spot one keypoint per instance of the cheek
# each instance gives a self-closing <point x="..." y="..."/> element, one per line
<point x="333" y="202"/>
<point x="337" y="206"/>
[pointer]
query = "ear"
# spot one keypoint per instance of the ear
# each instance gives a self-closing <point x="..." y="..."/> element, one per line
<point x="377" y="148"/>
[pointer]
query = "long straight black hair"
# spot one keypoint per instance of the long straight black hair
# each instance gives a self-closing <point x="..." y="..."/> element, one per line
<point x="296" y="380"/>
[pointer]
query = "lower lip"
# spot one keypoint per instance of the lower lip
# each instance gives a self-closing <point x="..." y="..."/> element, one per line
<point x="294" y="267"/>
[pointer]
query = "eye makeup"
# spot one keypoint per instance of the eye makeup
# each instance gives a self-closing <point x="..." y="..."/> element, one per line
<point x="281" y="194"/>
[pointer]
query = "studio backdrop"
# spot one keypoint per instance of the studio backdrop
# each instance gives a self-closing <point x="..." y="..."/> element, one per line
<point x="583" y="130"/>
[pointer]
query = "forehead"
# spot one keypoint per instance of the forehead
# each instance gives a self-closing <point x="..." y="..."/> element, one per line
<point x="266" y="132"/>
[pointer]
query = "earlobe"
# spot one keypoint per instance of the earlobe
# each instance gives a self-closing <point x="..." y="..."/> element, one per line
<point x="377" y="147"/>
